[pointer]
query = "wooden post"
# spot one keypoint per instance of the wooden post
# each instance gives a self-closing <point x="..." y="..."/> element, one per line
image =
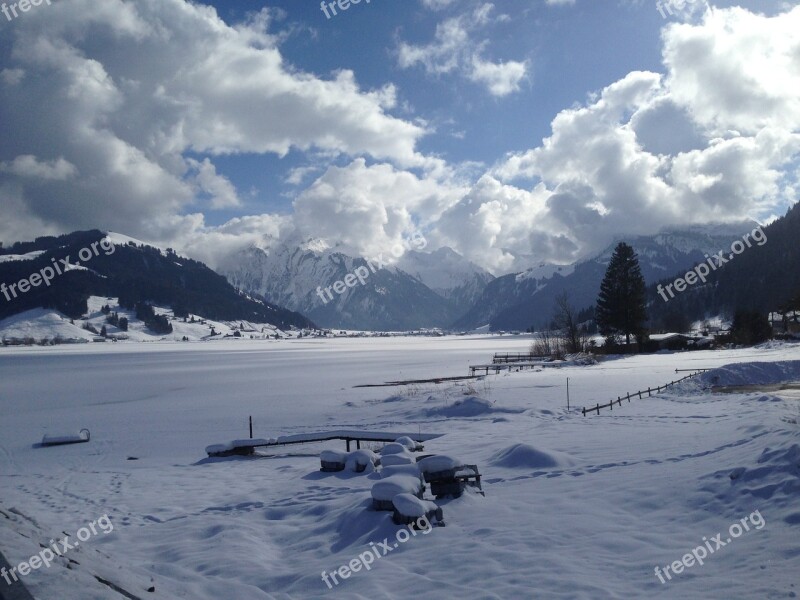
<point x="348" y="444"/>
<point x="567" y="393"/>
<point x="251" y="427"/>
<point x="598" y="409"/>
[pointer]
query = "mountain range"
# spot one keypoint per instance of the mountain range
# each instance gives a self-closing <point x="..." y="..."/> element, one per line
<point x="423" y="290"/>
<point x="304" y="283"/>
<point x="95" y="263"/>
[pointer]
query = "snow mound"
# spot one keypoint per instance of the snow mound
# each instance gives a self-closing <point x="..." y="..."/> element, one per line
<point x="386" y="489"/>
<point x="410" y="506"/>
<point x="752" y="373"/>
<point x="361" y="460"/>
<point x="436" y="464"/>
<point x="393" y="448"/>
<point x="408" y="443"/>
<point x="412" y="470"/>
<point x="333" y="456"/>
<point x="400" y="458"/>
<point x="523" y="456"/>
<point x="471" y="406"/>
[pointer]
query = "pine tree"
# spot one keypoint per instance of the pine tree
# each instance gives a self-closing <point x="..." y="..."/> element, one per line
<point x="621" y="304"/>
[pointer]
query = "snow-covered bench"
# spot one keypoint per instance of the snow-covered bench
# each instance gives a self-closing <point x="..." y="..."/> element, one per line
<point x="385" y="490"/>
<point x="449" y="476"/>
<point x="332" y="460"/>
<point x="62" y="440"/>
<point x="410" y="510"/>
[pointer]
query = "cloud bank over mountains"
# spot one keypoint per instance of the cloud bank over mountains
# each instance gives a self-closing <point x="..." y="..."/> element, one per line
<point x="117" y="114"/>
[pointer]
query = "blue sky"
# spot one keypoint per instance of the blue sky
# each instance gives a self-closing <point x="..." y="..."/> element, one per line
<point x="515" y="132"/>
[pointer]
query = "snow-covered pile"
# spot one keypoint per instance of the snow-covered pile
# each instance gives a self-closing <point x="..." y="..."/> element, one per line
<point x="471" y="406"/>
<point x="360" y="461"/>
<point x="386" y="489"/>
<point x="752" y="373"/>
<point x="409" y="505"/>
<point x="523" y="456"/>
<point x="412" y="470"/>
<point x="439" y="463"/>
<point x="399" y="458"/>
<point x="393" y="448"/>
<point x="333" y="456"/>
<point x="408" y="443"/>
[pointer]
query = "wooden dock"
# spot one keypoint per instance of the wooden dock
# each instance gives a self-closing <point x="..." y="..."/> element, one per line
<point x="248" y="447"/>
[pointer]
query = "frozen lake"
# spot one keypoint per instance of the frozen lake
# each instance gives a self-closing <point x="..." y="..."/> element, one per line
<point x="575" y="507"/>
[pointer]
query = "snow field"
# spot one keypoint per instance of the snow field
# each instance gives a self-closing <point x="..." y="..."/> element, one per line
<point x="575" y="507"/>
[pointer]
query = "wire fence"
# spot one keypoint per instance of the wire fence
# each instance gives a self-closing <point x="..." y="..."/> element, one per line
<point x="640" y="393"/>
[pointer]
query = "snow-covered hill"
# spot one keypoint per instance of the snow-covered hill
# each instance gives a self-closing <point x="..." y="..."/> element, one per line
<point x="50" y="327"/>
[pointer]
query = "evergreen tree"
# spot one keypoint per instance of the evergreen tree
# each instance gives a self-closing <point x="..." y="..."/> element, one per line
<point x="750" y="328"/>
<point x="621" y="304"/>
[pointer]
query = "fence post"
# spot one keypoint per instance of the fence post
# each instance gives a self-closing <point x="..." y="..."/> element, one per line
<point x="598" y="409"/>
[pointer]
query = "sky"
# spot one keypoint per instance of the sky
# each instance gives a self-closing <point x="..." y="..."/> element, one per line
<point x="515" y="132"/>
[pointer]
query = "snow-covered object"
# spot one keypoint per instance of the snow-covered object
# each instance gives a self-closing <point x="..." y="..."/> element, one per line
<point x="523" y="456"/>
<point x="59" y="440"/>
<point x="333" y="456"/>
<point x="393" y="448"/>
<point x="412" y="470"/>
<point x="752" y="373"/>
<point x="439" y="463"/>
<point x="217" y="449"/>
<point x="361" y="460"/>
<point x="411" y="506"/>
<point x="401" y="458"/>
<point x="387" y="489"/>
<point x="408" y="443"/>
<point x="439" y="468"/>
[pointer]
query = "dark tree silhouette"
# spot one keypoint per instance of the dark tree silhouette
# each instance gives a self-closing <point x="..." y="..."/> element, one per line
<point x="621" y="304"/>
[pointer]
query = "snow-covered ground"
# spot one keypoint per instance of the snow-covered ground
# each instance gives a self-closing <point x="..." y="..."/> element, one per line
<point x="575" y="507"/>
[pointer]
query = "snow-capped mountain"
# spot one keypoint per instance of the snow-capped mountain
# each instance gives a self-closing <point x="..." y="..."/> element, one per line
<point x="521" y="300"/>
<point x="448" y="274"/>
<point x="72" y="268"/>
<point x="303" y="276"/>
